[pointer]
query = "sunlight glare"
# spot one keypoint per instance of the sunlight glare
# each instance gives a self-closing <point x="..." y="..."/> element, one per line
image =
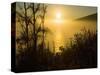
<point x="58" y="18"/>
<point x="58" y="15"/>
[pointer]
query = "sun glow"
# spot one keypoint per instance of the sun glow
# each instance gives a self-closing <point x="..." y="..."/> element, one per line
<point x="58" y="15"/>
<point x="58" y="18"/>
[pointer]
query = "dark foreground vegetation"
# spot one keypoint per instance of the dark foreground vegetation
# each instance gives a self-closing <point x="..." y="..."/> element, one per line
<point x="81" y="53"/>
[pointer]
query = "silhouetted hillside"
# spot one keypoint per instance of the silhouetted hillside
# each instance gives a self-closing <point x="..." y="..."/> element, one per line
<point x="89" y="17"/>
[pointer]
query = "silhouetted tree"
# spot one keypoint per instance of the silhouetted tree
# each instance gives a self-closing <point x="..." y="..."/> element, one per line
<point x="44" y="7"/>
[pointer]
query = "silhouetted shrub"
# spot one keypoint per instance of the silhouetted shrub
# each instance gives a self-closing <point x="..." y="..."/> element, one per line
<point x="82" y="52"/>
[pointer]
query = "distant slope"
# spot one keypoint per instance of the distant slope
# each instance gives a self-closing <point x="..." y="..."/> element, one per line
<point x="89" y="17"/>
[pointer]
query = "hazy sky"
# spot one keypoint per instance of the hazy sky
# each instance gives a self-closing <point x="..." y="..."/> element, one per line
<point x="66" y="11"/>
<point x="69" y="11"/>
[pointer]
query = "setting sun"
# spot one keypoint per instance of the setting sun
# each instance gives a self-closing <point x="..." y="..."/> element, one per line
<point x="58" y="18"/>
<point x="58" y="15"/>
